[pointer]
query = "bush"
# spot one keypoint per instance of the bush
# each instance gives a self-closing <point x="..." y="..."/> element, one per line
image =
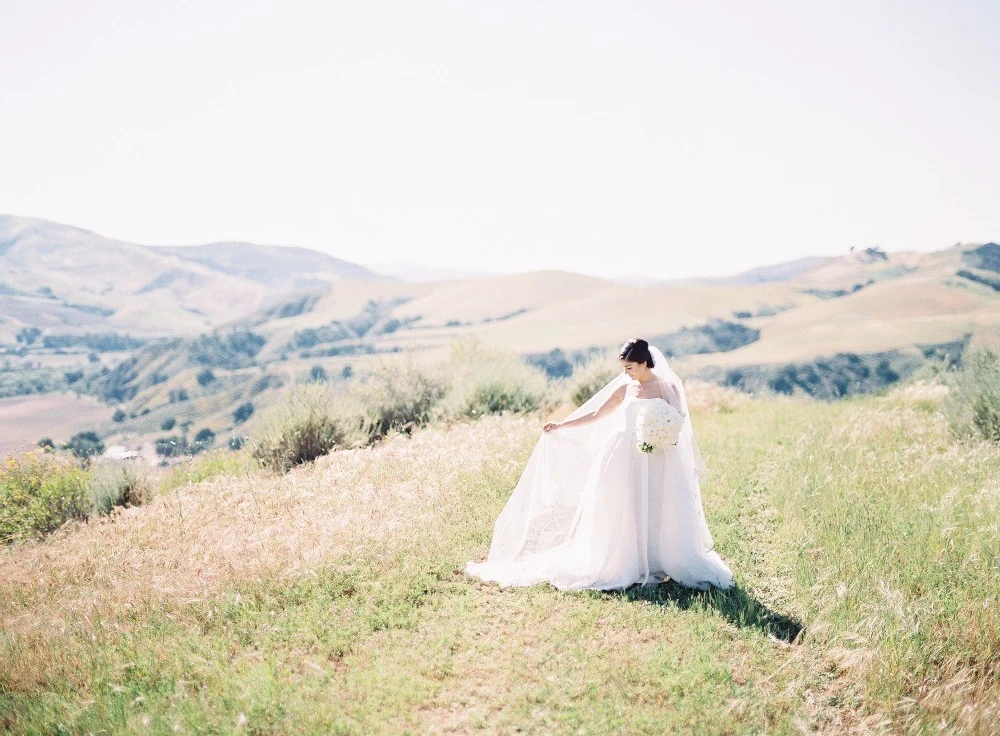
<point x="490" y="381"/>
<point x="264" y="383"/>
<point x="235" y="349"/>
<point x="555" y="363"/>
<point x="591" y="377"/>
<point x="115" y="484"/>
<point x="973" y="403"/>
<point x="38" y="494"/>
<point x="171" y="446"/>
<point x="716" y="336"/>
<point x="300" y="429"/>
<point x="168" y="424"/>
<point x="243" y="412"/>
<point x="118" y="416"/>
<point x="204" y="439"/>
<point x="72" y="376"/>
<point x="28" y="335"/>
<point x="397" y="395"/>
<point x="85" y="445"/>
<point x="119" y="383"/>
<point x="317" y="373"/>
<point x="205" y="377"/>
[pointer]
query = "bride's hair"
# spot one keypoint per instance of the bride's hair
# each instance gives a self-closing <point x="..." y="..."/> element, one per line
<point x="636" y="351"/>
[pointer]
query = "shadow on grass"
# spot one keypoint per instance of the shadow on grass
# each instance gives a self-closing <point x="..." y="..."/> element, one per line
<point x="736" y="605"/>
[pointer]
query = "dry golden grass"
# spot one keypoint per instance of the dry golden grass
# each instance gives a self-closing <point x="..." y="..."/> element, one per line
<point x="331" y="600"/>
<point x="194" y="541"/>
<point x="703" y="396"/>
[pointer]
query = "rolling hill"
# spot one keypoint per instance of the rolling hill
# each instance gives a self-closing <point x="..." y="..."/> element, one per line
<point x="301" y="269"/>
<point x="230" y="323"/>
<point x="58" y="278"/>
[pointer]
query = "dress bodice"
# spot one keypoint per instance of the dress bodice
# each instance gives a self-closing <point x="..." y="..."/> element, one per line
<point x="632" y="405"/>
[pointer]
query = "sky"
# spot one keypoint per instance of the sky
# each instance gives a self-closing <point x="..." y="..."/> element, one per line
<point x="663" y="139"/>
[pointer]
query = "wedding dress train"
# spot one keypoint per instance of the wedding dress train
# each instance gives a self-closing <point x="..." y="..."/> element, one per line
<point x="593" y="511"/>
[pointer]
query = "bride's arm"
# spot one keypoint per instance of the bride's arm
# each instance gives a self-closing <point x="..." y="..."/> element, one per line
<point x="613" y="402"/>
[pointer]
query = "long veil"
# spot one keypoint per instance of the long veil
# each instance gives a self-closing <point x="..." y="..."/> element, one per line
<point x="542" y="511"/>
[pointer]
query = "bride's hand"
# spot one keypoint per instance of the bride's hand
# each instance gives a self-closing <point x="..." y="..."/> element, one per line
<point x="549" y="426"/>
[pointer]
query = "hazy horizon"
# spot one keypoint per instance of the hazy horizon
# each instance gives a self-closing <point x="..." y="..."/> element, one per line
<point x="416" y="272"/>
<point x="660" y="139"/>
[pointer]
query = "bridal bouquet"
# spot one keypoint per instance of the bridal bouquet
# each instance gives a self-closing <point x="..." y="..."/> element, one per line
<point x="658" y="424"/>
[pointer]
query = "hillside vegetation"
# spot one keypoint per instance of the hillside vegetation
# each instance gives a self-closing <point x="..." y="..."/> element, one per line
<point x="202" y="337"/>
<point x="865" y="542"/>
<point x="66" y="280"/>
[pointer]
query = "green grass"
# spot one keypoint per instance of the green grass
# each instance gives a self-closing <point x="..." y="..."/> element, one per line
<point x="864" y="539"/>
<point x="208" y="465"/>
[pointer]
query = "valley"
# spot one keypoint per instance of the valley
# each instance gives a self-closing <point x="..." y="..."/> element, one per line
<point x="166" y="342"/>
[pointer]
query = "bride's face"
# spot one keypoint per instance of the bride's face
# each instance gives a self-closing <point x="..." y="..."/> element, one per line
<point x="638" y="371"/>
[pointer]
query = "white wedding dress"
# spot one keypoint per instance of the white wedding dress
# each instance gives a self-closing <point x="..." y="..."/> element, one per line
<point x="593" y="511"/>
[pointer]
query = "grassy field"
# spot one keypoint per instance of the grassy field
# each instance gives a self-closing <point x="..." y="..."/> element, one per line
<point x="865" y="542"/>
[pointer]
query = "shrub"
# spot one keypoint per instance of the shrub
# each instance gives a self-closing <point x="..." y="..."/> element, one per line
<point x="973" y="403"/>
<point x="317" y="373"/>
<point x="264" y="383"/>
<point x="38" y="494"/>
<point x="300" y="429"/>
<point x="28" y="335"/>
<point x="488" y="381"/>
<point x="204" y="439"/>
<point x="167" y="424"/>
<point x="107" y="342"/>
<point x="590" y="378"/>
<point x="714" y="337"/>
<point x="171" y="446"/>
<point x="205" y="377"/>
<point x="235" y="349"/>
<point x="115" y="484"/>
<point x="73" y="376"/>
<point x="243" y="412"/>
<point x="118" y="416"/>
<point x="85" y="445"/>
<point x="555" y="363"/>
<point x="46" y="444"/>
<point x="397" y="395"/>
<point x="119" y="383"/>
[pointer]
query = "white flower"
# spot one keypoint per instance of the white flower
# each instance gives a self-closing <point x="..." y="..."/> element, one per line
<point x="658" y="425"/>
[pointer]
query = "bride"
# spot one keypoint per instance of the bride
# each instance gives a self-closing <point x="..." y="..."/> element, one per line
<point x="591" y="510"/>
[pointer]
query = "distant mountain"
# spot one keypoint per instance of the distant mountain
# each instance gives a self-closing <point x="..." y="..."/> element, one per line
<point x="775" y="273"/>
<point x="64" y="279"/>
<point x="282" y="268"/>
<point x="237" y="333"/>
<point x="415" y="273"/>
